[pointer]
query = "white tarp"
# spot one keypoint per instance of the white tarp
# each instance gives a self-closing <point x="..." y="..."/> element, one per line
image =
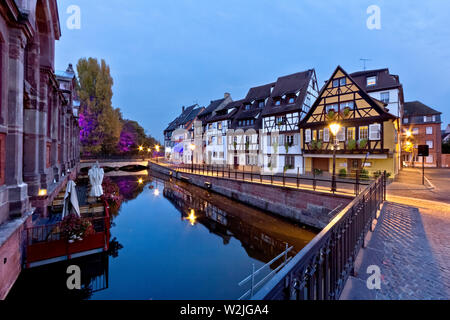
<point x="71" y="200"/>
<point x="96" y="175"/>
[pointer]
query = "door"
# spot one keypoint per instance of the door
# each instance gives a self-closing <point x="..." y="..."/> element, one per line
<point x="322" y="164"/>
<point x="353" y="165"/>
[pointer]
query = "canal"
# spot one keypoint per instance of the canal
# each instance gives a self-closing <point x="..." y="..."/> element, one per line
<point x="170" y="240"/>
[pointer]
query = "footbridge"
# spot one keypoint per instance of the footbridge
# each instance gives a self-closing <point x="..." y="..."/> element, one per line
<point x="115" y="164"/>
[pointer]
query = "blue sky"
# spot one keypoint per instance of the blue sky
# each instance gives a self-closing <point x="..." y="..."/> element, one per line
<point x="166" y="54"/>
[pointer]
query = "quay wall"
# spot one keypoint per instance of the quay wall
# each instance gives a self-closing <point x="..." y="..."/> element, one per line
<point x="308" y="207"/>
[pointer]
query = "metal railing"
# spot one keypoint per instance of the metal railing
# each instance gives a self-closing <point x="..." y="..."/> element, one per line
<point x="344" y="185"/>
<point x="319" y="271"/>
<point x="251" y="277"/>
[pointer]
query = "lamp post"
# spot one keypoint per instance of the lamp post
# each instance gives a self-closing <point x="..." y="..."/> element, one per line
<point x="334" y="128"/>
<point x="192" y="147"/>
<point x="157" y="151"/>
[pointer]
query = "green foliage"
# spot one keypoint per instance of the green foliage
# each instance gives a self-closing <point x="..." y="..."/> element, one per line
<point x="316" y="144"/>
<point x="342" y="173"/>
<point x="317" y="172"/>
<point x="379" y="173"/>
<point x="363" y="143"/>
<point x="351" y="144"/>
<point x="331" y="115"/>
<point x="286" y="146"/>
<point x="346" y="112"/>
<point x="364" y="174"/>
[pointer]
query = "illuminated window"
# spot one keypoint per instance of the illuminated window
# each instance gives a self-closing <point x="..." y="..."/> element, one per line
<point x="351" y="133"/>
<point x="364" y="133"/>
<point x="371" y="81"/>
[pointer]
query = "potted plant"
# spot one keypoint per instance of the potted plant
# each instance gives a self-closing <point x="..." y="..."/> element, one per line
<point x="319" y="145"/>
<point x="286" y="146"/>
<point x="313" y="145"/>
<point x="331" y="115"/>
<point x="317" y="172"/>
<point x="235" y="145"/>
<point x="363" y="143"/>
<point x="351" y="144"/>
<point x="247" y="145"/>
<point x="342" y="173"/>
<point x="346" y="113"/>
<point x="74" y="228"/>
<point x="364" y="174"/>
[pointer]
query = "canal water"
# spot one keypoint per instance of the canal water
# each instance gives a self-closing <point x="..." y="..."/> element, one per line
<point x="170" y="240"/>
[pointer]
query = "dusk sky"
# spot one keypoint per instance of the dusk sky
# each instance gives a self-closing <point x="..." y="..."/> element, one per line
<point x="166" y="54"/>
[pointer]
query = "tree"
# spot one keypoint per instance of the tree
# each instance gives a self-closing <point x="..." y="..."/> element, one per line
<point x="100" y="123"/>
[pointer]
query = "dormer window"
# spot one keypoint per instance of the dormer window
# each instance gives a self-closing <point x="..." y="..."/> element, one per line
<point x="371" y="81"/>
<point x="291" y="100"/>
<point x="247" y="107"/>
<point x="278" y="102"/>
<point x="261" y="104"/>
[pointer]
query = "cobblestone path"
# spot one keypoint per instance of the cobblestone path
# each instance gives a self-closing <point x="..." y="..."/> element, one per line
<point x="412" y="248"/>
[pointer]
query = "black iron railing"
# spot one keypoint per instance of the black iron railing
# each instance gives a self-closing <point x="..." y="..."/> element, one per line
<point x="351" y="185"/>
<point x="319" y="271"/>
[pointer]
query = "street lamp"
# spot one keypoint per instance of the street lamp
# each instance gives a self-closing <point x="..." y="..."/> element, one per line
<point x="334" y="128"/>
<point x="157" y="151"/>
<point x="192" y="147"/>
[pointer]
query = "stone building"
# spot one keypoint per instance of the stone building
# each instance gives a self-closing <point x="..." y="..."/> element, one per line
<point x="38" y="126"/>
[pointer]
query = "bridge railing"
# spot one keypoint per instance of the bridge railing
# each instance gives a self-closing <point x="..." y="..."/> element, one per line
<point x="319" y="271"/>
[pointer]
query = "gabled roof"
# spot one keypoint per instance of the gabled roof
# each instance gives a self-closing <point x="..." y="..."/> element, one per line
<point x="417" y="108"/>
<point x="223" y="113"/>
<point x="385" y="80"/>
<point x="213" y="106"/>
<point x="259" y="93"/>
<point x="377" y="105"/>
<point x="183" y="117"/>
<point x="292" y="84"/>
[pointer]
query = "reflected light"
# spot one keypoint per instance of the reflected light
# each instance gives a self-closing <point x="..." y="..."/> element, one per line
<point x="141" y="148"/>
<point x="42" y="192"/>
<point x="192" y="218"/>
<point x="157" y="148"/>
<point x="156" y="192"/>
<point x="141" y="181"/>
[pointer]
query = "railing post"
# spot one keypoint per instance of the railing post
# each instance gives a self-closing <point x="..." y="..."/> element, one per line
<point x="298" y="176"/>
<point x="384" y="185"/>
<point x="357" y="183"/>
<point x="314" y="180"/>
<point x="284" y="177"/>
<point x="251" y="173"/>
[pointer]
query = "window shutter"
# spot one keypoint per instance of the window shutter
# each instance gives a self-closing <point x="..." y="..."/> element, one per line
<point x="281" y="140"/>
<point x="341" y="134"/>
<point x="326" y="135"/>
<point x="308" y="135"/>
<point x="375" y="131"/>
<point x="296" y="139"/>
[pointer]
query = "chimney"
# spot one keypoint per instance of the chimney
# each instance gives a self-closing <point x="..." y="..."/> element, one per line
<point x="226" y="95"/>
<point x="70" y="68"/>
<point x="183" y="109"/>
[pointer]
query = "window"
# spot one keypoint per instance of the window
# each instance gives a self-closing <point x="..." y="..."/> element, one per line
<point x="307" y="135"/>
<point x="415" y="131"/>
<point x="363" y="133"/>
<point x="336" y="83"/>
<point x="429" y="130"/>
<point x="339" y="82"/>
<point x="429" y="159"/>
<point x="247" y="107"/>
<point x="430" y="144"/>
<point x="371" y="81"/>
<point x="210" y="126"/>
<point x="351" y="133"/>
<point x="348" y="104"/>
<point x="326" y="135"/>
<point x="261" y="104"/>
<point x="219" y="126"/>
<point x="342" y="82"/>
<point x="314" y="137"/>
<point x="375" y="131"/>
<point x="405" y="120"/>
<point x="278" y="102"/>
<point x="321" y="135"/>
<point x="291" y="100"/>
<point x="331" y="107"/>
<point x="240" y="123"/>
<point x="385" y="97"/>
<point x="290" y="140"/>
<point x="289" y="162"/>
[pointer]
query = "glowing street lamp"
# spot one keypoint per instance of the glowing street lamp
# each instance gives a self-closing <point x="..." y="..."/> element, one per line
<point x="157" y="148"/>
<point x="334" y="128"/>
<point x="141" y="148"/>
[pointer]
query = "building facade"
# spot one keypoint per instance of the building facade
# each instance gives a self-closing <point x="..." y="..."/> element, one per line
<point x="421" y="126"/>
<point x="290" y="100"/>
<point x="367" y="137"/>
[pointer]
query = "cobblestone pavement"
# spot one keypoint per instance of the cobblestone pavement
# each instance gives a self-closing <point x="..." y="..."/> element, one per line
<point x="411" y="245"/>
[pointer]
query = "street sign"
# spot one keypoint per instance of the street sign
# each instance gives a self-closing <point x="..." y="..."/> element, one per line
<point x="423" y="151"/>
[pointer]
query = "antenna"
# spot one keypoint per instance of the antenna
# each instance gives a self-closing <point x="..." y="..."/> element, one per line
<point x="364" y="60"/>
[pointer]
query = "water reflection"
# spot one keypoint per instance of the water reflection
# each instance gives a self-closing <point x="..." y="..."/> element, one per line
<point x="161" y="228"/>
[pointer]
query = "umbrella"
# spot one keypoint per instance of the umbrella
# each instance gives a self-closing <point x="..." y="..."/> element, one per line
<point x="96" y="175"/>
<point x="71" y="200"/>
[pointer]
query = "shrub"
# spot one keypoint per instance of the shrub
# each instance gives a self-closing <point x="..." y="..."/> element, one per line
<point x="73" y="227"/>
<point x="317" y="172"/>
<point x="331" y="115"/>
<point x="351" y="144"/>
<point x="363" y="143"/>
<point x="346" y="112"/>
<point x="364" y="174"/>
<point x="342" y="173"/>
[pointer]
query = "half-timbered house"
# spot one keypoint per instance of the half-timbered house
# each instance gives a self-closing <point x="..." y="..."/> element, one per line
<point x="368" y="135"/>
<point x="289" y="102"/>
